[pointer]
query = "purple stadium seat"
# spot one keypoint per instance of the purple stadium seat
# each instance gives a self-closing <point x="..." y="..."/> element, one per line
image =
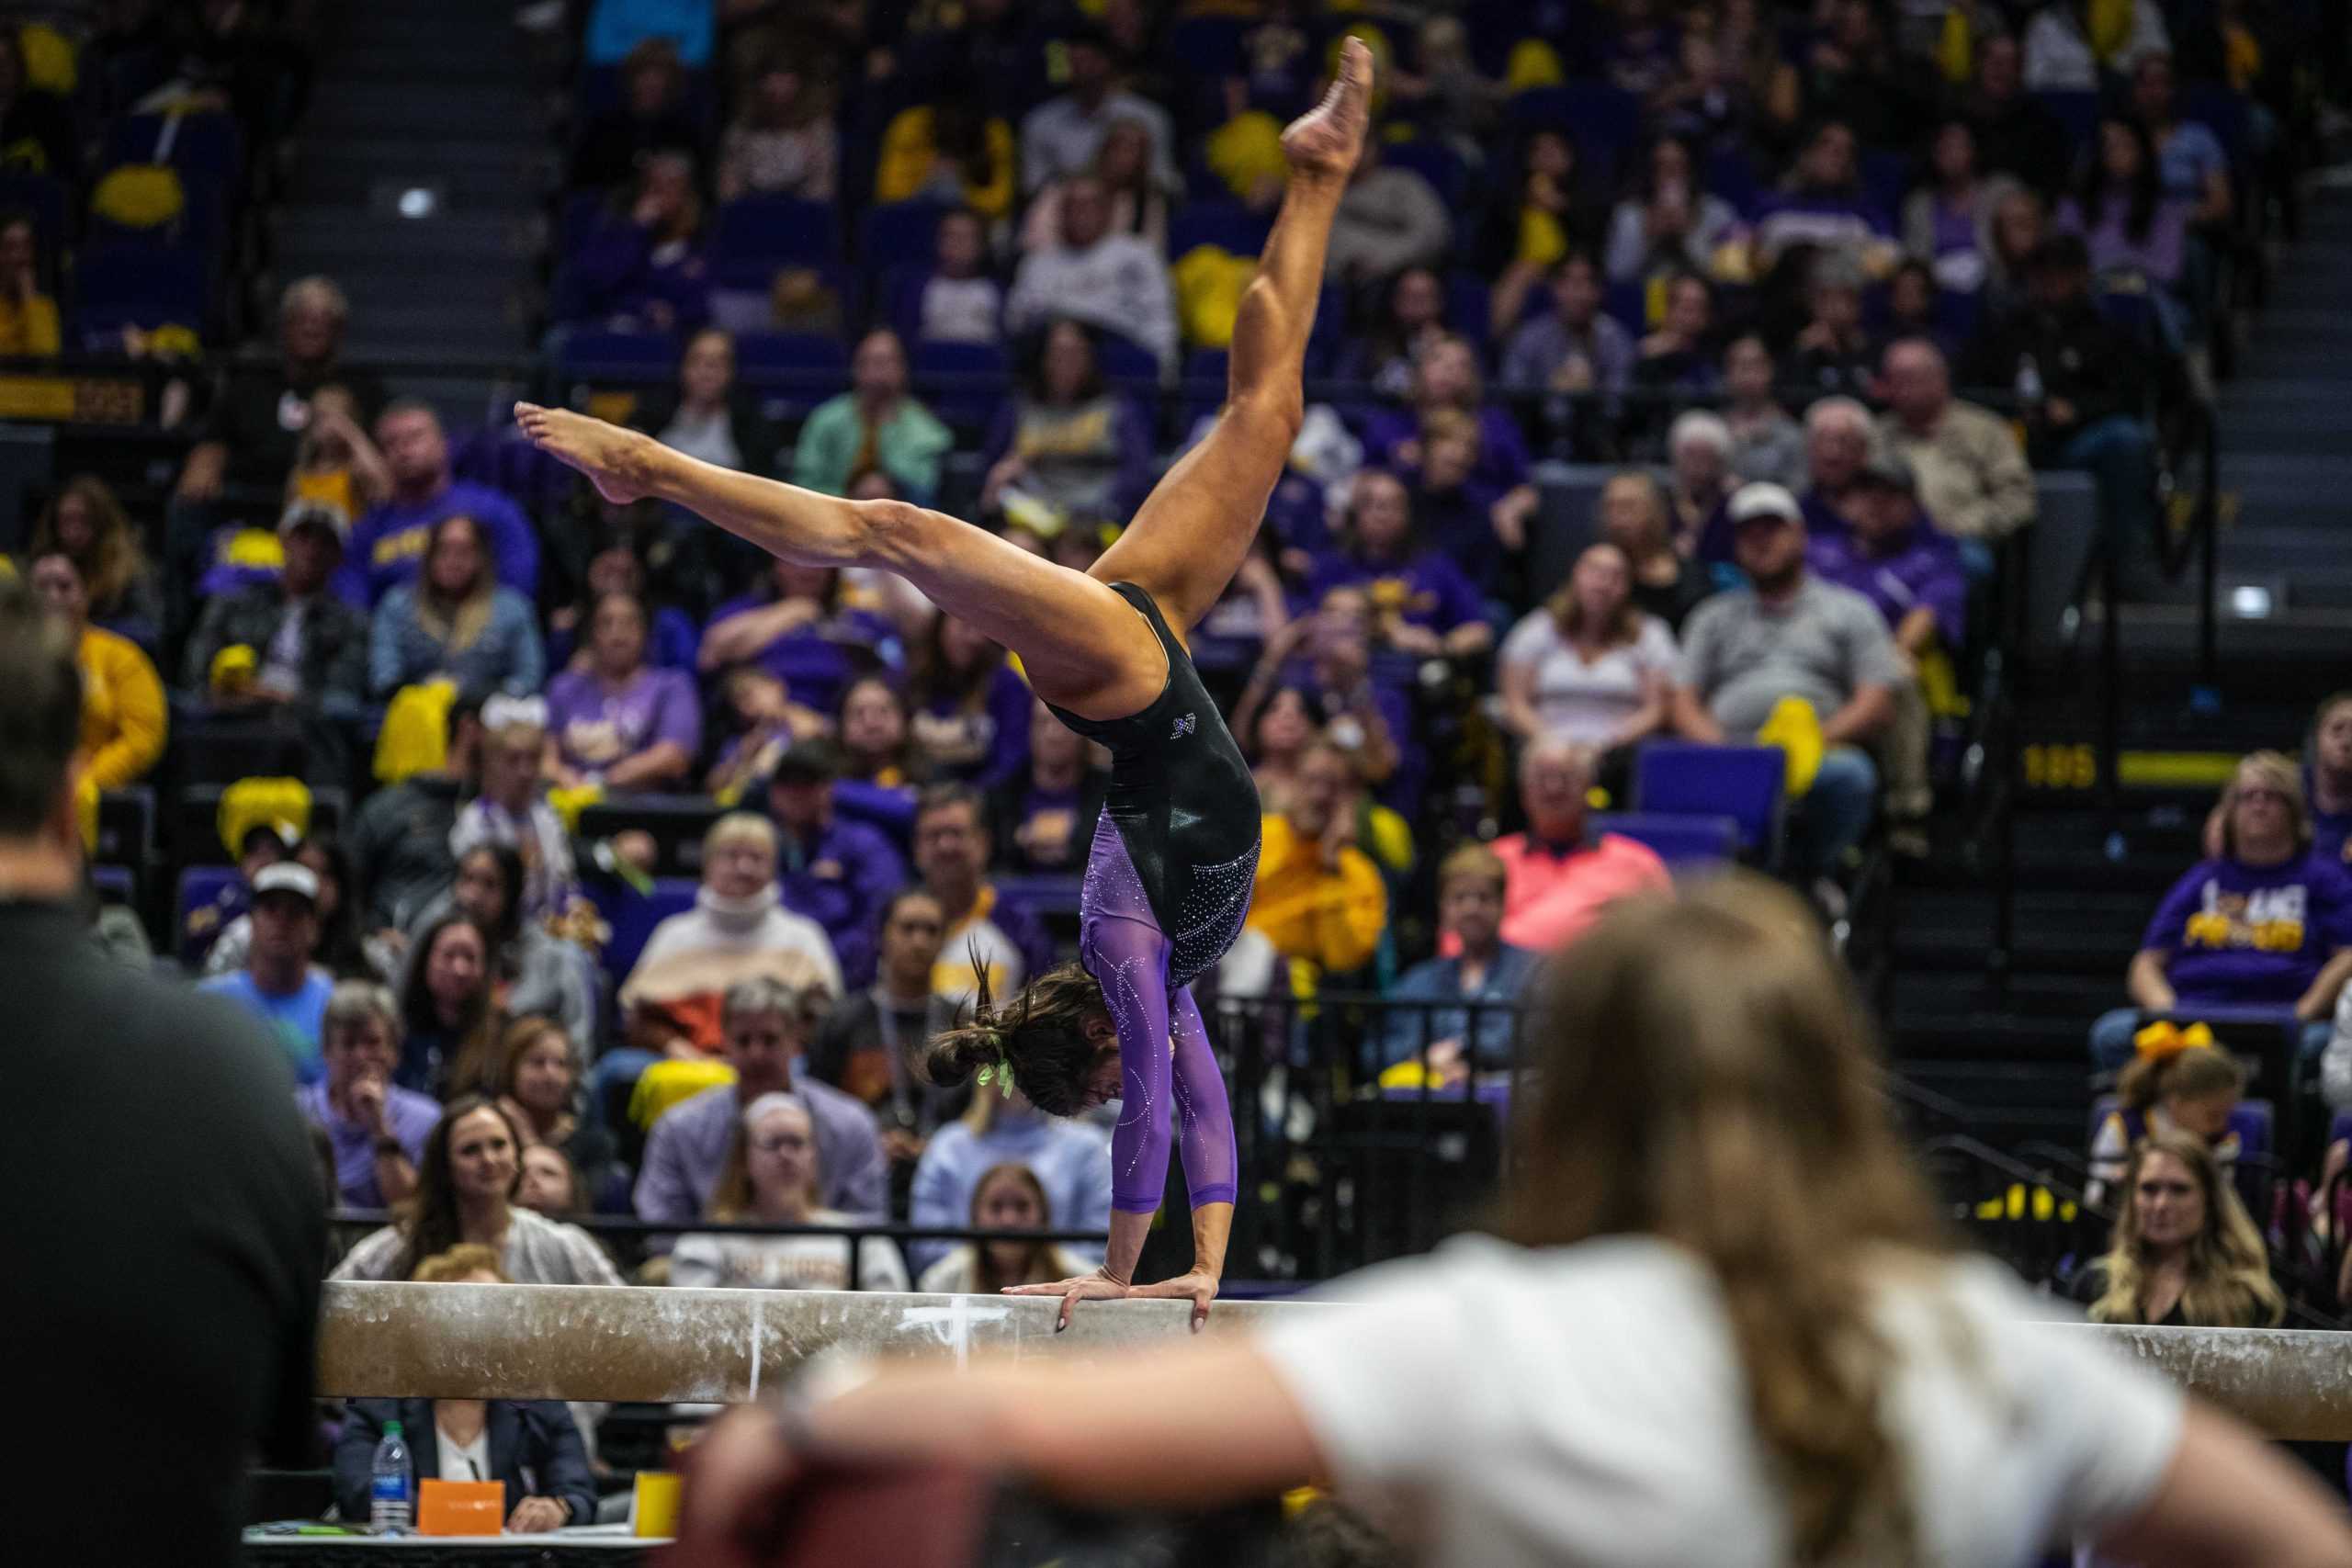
<point x="1434" y="161"/>
<point x="1683" y="842"/>
<point x="1227" y="225"/>
<point x="1744" y="783"/>
<point x="777" y="231"/>
<point x="1126" y="364"/>
<point x="635" y="357"/>
<point x="632" y="916"/>
<point x="2076" y="114"/>
<point x="893" y="232"/>
<point x="1603" y="120"/>
<point x="199" y="886"/>
<point x="963" y="383"/>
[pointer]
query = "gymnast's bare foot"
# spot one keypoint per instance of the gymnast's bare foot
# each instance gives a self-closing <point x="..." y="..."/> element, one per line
<point x="1326" y="138"/>
<point x="613" y="458"/>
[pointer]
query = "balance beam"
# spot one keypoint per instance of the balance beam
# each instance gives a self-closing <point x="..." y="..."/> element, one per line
<point x="587" y="1342"/>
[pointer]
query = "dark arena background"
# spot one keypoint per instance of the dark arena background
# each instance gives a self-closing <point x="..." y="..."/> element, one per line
<point x="1899" y="450"/>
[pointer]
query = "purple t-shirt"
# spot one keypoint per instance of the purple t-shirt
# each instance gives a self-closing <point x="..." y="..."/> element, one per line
<point x="595" y="726"/>
<point x="1502" y="450"/>
<point x="1427" y="590"/>
<point x="2251" y="935"/>
<point x="1923" y="569"/>
<point x="817" y="661"/>
<point x="410" y="1116"/>
<point x="387" y="545"/>
<point x="982" y="743"/>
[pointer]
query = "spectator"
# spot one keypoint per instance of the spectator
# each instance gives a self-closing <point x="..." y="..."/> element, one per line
<point x="335" y="465"/>
<point x="532" y="973"/>
<point x="1065" y="444"/>
<point x="1822" y="204"/>
<point x="2264" y="924"/>
<point x="1064" y="135"/>
<point x="970" y="707"/>
<point x="1043" y="820"/>
<point x="1388" y="220"/>
<point x="1320" y="899"/>
<point x="1850" y="75"/>
<point x="1070" y="1161"/>
<point x="1837" y="443"/>
<point x="2190" y="162"/>
<point x="123" y="720"/>
<point x="1668" y="224"/>
<point x="530" y="1447"/>
<point x="1558" y="874"/>
<point x="2065" y="50"/>
<point x="881" y="765"/>
<point x="2178" y="1082"/>
<point x="304" y="648"/>
<point x="1411" y="314"/>
<point x="1913" y="308"/>
<point x="1425" y="606"/>
<point x="620" y="724"/>
<point x="255" y="841"/>
<point x="1112" y="282"/>
<point x="377" y="1129"/>
<point x="1007" y="1197"/>
<point x="874" y="423"/>
<point x="1122" y="166"/>
<point x="464" y="1194"/>
<point x="1766" y="443"/>
<point x="988" y="942"/>
<point x="836" y="870"/>
<point x="1699" y="479"/>
<point x="1573" y="348"/>
<point x="1449" y="99"/>
<point x="1588" y="666"/>
<point x="2020" y="222"/>
<point x="799" y="627"/>
<point x="449" y="1021"/>
<point x="1446" y="379"/>
<point x="649" y="118"/>
<point x="1634" y="517"/>
<point x="736" y="932"/>
<point x="84" y="522"/>
<point x="2128" y="224"/>
<point x="551" y="1184"/>
<point x="280" y="985"/>
<point x="1454" y="513"/>
<point x="339" y="948"/>
<point x="2185" y="1253"/>
<point x="1460" y="1013"/>
<point x="457" y="623"/>
<point x="765" y="1024"/>
<point x="642" y="268"/>
<point x="1676" y="359"/>
<point x="950" y="150"/>
<point x="616" y="568"/>
<point x="1893" y="556"/>
<point x="538" y="1085"/>
<point x="2084" y="383"/>
<point x="771" y="1177"/>
<point x="400" y="838"/>
<point x="710" y="416"/>
<point x="512" y="809"/>
<point x="261" y="411"/>
<point x="1787" y="635"/>
<point x="961" y="303"/>
<point x="1973" y="479"/>
<point x="2015" y="135"/>
<point x="1550" y="222"/>
<point x="1832" y="354"/>
<point x="2330" y="778"/>
<point x="765" y="722"/>
<point x="391" y="543"/>
<point x="1948" y="221"/>
<point x="868" y="1045"/>
<point x="781" y="141"/>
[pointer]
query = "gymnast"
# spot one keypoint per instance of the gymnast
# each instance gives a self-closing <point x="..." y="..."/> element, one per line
<point x="1169" y="873"/>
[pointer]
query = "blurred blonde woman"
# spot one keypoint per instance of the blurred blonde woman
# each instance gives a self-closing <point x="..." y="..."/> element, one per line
<point x="1722" y="1324"/>
<point x="2186" y="1255"/>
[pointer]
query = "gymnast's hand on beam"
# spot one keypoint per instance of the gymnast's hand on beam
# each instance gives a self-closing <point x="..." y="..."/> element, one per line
<point x="1199" y="1286"/>
<point x="1099" y="1286"/>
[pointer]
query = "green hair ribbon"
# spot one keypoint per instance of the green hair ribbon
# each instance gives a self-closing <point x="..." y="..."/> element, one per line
<point x="998" y="1073"/>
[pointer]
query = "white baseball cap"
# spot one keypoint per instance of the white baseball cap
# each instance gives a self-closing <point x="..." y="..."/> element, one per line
<point x="1764" y="498"/>
<point x="288" y="876"/>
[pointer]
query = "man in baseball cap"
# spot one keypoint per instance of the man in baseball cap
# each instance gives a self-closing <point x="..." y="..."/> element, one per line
<point x="288" y="641"/>
<point x="280" y="985"/>
<point x="1788" y="636"/>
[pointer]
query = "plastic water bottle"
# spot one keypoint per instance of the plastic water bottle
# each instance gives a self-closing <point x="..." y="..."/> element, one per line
<point x="391" y="1485"/>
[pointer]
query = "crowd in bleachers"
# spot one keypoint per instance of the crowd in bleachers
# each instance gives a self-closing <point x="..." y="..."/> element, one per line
<point x="667" y="854"/>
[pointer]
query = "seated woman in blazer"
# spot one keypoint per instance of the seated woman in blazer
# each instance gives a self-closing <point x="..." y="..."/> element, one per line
<point x="529" y="1444"/>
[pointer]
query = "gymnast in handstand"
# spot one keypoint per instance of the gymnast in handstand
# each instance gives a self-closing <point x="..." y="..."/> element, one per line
<point x="1168" y="877"/>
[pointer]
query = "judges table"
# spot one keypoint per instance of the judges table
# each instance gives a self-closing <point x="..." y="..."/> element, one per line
<point x="589" y="1546"/>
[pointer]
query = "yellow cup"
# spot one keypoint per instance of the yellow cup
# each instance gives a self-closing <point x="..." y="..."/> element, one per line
<point x="654" y="1511"/>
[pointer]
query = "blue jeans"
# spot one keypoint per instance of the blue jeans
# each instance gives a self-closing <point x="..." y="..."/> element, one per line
<point x="2121" y="457"/>
<point x="1835" y="813"/>
<point x="2111" y="1035"/>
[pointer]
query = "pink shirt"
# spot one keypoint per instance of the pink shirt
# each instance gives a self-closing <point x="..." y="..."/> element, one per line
<point x="1550" y="899"/>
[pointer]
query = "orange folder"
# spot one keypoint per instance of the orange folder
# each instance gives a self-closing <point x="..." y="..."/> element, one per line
<point x="461" y="1507"/>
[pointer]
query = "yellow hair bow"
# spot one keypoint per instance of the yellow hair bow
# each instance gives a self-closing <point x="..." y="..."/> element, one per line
<point x="2164" y="1038"/>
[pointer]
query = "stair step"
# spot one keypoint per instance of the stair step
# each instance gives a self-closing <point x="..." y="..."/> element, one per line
<point x="367" y="239"/>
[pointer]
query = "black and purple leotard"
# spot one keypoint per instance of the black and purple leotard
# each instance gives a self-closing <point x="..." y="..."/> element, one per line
<point x="1168" y="883"/>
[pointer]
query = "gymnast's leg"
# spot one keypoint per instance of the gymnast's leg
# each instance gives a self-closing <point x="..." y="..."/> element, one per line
<point x="1193" y="531"/>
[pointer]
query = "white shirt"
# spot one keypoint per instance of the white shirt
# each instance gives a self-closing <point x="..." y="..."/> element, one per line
<point x="785" y="1262"/>
<point x="1586" y="703"/>
<point x="1584" y="1405"/>
<point x="463" y="1461"/>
